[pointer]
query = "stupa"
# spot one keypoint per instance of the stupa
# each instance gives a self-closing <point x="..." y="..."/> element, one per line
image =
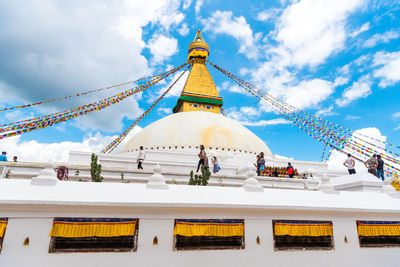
<point x="197" y="120"/>
<point x="174" y="141"/>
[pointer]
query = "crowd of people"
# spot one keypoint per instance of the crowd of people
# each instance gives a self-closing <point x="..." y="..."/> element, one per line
<point x="203" y="160"/>
<point x="263" y="170"/>
<point x="273" y="171"/>
<point x="375" y="165"/>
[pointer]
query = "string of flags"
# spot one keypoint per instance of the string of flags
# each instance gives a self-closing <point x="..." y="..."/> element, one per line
<point x="223" y="111"/>
<point x="331" y="134"/>
<point x="33" y="124"/>
<point x="81" y="94"/>
<point x="118" y="140"/>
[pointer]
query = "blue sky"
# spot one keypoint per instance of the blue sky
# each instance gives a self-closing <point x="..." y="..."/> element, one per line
<point x="337" y="59"/>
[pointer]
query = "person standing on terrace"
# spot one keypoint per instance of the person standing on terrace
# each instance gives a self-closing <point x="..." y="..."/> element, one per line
<point x="140" y="158"/>
<point x="371" y="165"/>
<point x="350" y="163"/>
<point x="260" y="164"/>
<point x="3" y="156"/>
<point x="379" y="168"/>
<point x="290" y="170"/>
<point x="203" y="160"/>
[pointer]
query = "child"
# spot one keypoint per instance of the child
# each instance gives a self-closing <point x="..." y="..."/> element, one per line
<point x="215" y="163"/>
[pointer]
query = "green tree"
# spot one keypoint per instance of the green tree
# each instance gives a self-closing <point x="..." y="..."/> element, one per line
<point x="95" y="169"/>
<point x="201" y="179"/>
<point x="8" y="174"/>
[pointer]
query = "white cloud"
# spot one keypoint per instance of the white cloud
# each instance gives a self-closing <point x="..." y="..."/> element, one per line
<point x="359" y="65"/>
<point x="223" y="22"/>
<point x="175" y="90"/>
<point x="265" y="122"/>
<point x="249" y="111"/>
<point x="186" y="4"/>
<point x="77" y="51"/>
<point x="268" y="15"/>
<point x="162" y="47"/>
<point x="310" y="39"/>
<point x="363" y="28"/>
<point x="362" y="60"/>
<point x="344" y="70"/>
<point x="306" y="34"/>
<point x="308" y="93"/>
<point x="381" y="38"/>
<point x="237" y="89"/>
<point x="396" y="115"/>
<point x="248" y="115"/>
<point x="390" y="71"/>
<point x="33" y="151"/>
<point x="359" y="89"/>
<point x="282" y="157"/>
<point x="164" y="111"/>
<point x="199" y="4"/>
<point x="341" y="81"/>
<point x="325" y="112"/>
<point x="245" y="113"/>
<point x="225" y="85"/>
<point x="352" y="117"/>
<point x="183" y="30"/>
<point x="129" y="109"/>
<point x="16" y="115"/>
<point x="178" y="87"/>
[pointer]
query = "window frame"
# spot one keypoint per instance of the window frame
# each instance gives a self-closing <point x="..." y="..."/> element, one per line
<point x="297" y="239"/>
<point x="54" y="250"/>
<point x="241" y="239"/>
<point x="362" y="239"/>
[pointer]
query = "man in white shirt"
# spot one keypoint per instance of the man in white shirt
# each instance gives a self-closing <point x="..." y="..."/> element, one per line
<point x="140" y="158"/>
<point x="350" y="163"/>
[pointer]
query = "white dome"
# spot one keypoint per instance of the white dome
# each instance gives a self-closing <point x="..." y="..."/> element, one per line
<point x="188" y="130"/>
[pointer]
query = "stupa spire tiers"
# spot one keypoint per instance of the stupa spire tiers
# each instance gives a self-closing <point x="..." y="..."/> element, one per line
<point x="199" y="92"/>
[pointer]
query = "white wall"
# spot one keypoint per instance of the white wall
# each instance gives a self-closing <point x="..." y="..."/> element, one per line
<point x="36" y="224"/>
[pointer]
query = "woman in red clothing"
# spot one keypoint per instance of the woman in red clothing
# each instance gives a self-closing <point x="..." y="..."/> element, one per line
<point x="290" y="170"/>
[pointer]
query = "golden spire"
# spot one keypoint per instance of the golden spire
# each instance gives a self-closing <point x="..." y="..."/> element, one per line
<point x="199" y="92"/>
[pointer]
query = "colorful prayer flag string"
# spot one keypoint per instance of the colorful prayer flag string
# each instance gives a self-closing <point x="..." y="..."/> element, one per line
<point x="118" y="140"/>
<point x="81" y="94"/>
<point x="331" y="134"/>
<point x="55" y="118"/>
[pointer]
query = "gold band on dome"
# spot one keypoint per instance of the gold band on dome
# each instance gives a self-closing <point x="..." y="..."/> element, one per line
<point x="199" y="44"/>
<point x="198" y="48"/>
